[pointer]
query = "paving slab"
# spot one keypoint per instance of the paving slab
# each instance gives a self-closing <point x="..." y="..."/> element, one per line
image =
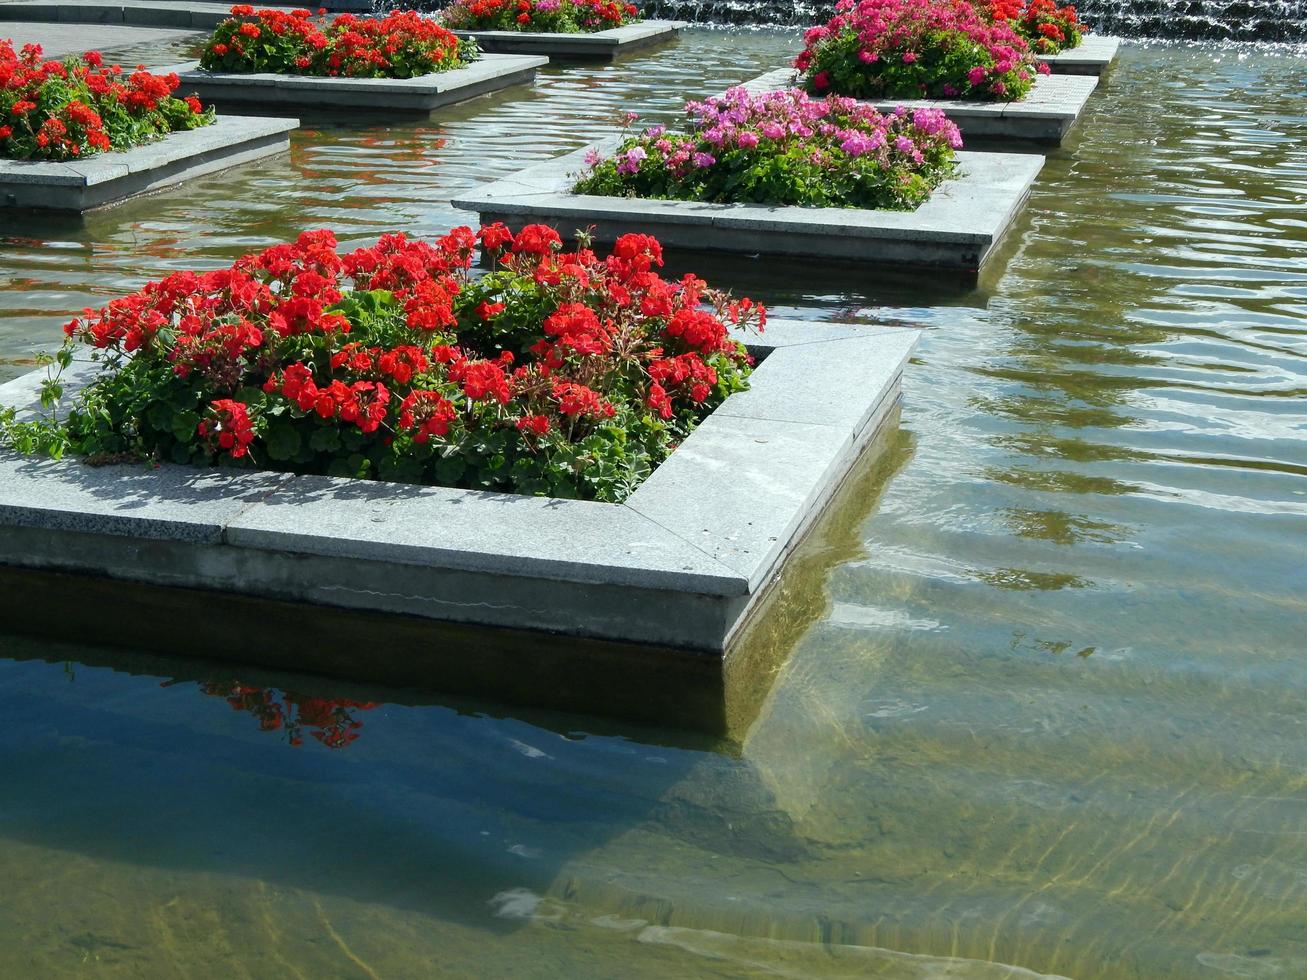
<point x="681" y="564"/>
<point x="197" y="15"/>
<point x="957" y="228"/>
<point x="1053" y="105"/>
<point x="60" y="40"/>
<point x="172" y="503"/>
<point x="108" y="178"/>
<point x="1093" y="56"/>
<point x="489" y="73"/>
<point x="599" y="46"/>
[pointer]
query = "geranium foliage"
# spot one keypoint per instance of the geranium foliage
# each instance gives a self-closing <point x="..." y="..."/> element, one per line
<point x="909" y="49"/>
<point x="555" y="16"/>
<point x="74" y="107"/>
<point x="557" y="372"/>
<point x="1047" y="27"/>
<point x="401" y="44"/>
<point x="784" y="148"/>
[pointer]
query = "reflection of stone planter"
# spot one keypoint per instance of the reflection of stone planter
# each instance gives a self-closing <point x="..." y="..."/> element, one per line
<point x="1091" y="57"/>
<point x="107" y="178"/>
<point x="601" y="45"/>
<point x="1045" y="115"/>
<point x="682" y="563"/>
<point x="489" y="73"/>
<point x="956" y="228"/>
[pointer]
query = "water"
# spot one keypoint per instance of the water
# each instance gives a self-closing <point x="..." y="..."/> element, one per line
<point x="1216" y="20"/>
<point x="1044" y="715"/>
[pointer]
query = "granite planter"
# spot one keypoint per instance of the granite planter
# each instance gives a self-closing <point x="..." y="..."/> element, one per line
<point x="957" y="228"/>
<point x="489" y="73"/>
<point x="599" y="46"/>
<point x="1045" y="115"/>
<point x="108" y="178"/>
<point x="1093" y="56"/>
<point x="682" y="564"/>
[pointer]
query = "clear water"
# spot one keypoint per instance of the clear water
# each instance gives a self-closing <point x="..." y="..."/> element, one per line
<point x="1048" y="715"/>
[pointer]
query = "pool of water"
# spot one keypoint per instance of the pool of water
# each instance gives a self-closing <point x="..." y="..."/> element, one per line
<point x="1046" y="717"/>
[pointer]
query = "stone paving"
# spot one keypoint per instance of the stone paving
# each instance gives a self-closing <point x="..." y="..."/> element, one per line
<point x="63" y="39"/>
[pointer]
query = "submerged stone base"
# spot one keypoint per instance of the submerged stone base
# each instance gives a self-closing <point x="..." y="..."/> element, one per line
<point x="489" y="73"/>
<point x="957" y="228"/>
<point x="1093" y="56"/>
<point x="600" y="46"/>
<point x="682" y="564"/>
<point x="108" y="178"/>
<point x="1045" y="115"/>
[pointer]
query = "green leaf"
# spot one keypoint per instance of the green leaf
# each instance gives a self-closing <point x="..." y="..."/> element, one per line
<point x="450" y="470"/>
<point x="325" y="439"/>
<point x="283" y="441"/>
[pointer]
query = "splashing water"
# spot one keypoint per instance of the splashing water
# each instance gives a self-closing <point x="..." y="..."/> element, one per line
<point x="1221" y="20"/>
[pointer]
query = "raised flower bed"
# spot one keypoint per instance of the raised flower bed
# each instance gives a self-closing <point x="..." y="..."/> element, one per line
<point x="680" y="561"/>
<point x="943" y="54"/>
<point x="1092" y="56"/>
<point x="1057" y="36"/>
<point x="75" y="134"/>
<point x="780" y="174"/>
<point x="401" y="62"/>
<point x="600" y="29"/>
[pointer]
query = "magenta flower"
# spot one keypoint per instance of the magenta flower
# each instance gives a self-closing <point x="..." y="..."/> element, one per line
<point x="630" y="161"/>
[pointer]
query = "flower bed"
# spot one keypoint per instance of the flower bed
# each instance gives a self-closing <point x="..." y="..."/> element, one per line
<point x="784" y="148"/>
<point x="75" y="107"/>
<point x="1046" y="27"/>
<point x="544" y="16"/>
<point x="402" y="44"/>
<point x="685" y="561"/>
<point x="557" y="373"/>
<point x="912" y="49"/>
<point x="958" y="227"/>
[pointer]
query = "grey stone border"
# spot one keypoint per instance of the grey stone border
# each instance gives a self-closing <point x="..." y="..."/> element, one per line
<point x="681" y="564"/>
<point x="957" y="228"/>
<point x="601" y="45"/>
<point x="489" y="73"/>
<point x="193" y="15"/>
<point x="1092" y="56"/>
<point x="107" y="178"/>
<point x="1046" y="115"/>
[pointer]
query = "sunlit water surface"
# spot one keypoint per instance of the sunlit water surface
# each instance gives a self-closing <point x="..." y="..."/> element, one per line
<point x="1050" y="721"/>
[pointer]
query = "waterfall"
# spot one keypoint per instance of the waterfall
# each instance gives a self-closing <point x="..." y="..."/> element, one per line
<point x="1228" y="20"/>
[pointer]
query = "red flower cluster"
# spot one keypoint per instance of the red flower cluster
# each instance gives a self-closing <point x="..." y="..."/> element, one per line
<point x="1048" y="28"/>
<point x="227" y="428"/>
<point x="554" y="16"/>
<point x="915" y="49"/>
<point x="393" y="361"/>
<point x="402" y="44"/>
<point x="61" y="110"/>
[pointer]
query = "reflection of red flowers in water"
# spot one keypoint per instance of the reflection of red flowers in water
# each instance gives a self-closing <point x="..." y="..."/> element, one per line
<point x="329" y="720"/>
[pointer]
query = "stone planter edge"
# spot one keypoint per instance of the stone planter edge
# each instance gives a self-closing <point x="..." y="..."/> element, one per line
<point x="682" y="563"/>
